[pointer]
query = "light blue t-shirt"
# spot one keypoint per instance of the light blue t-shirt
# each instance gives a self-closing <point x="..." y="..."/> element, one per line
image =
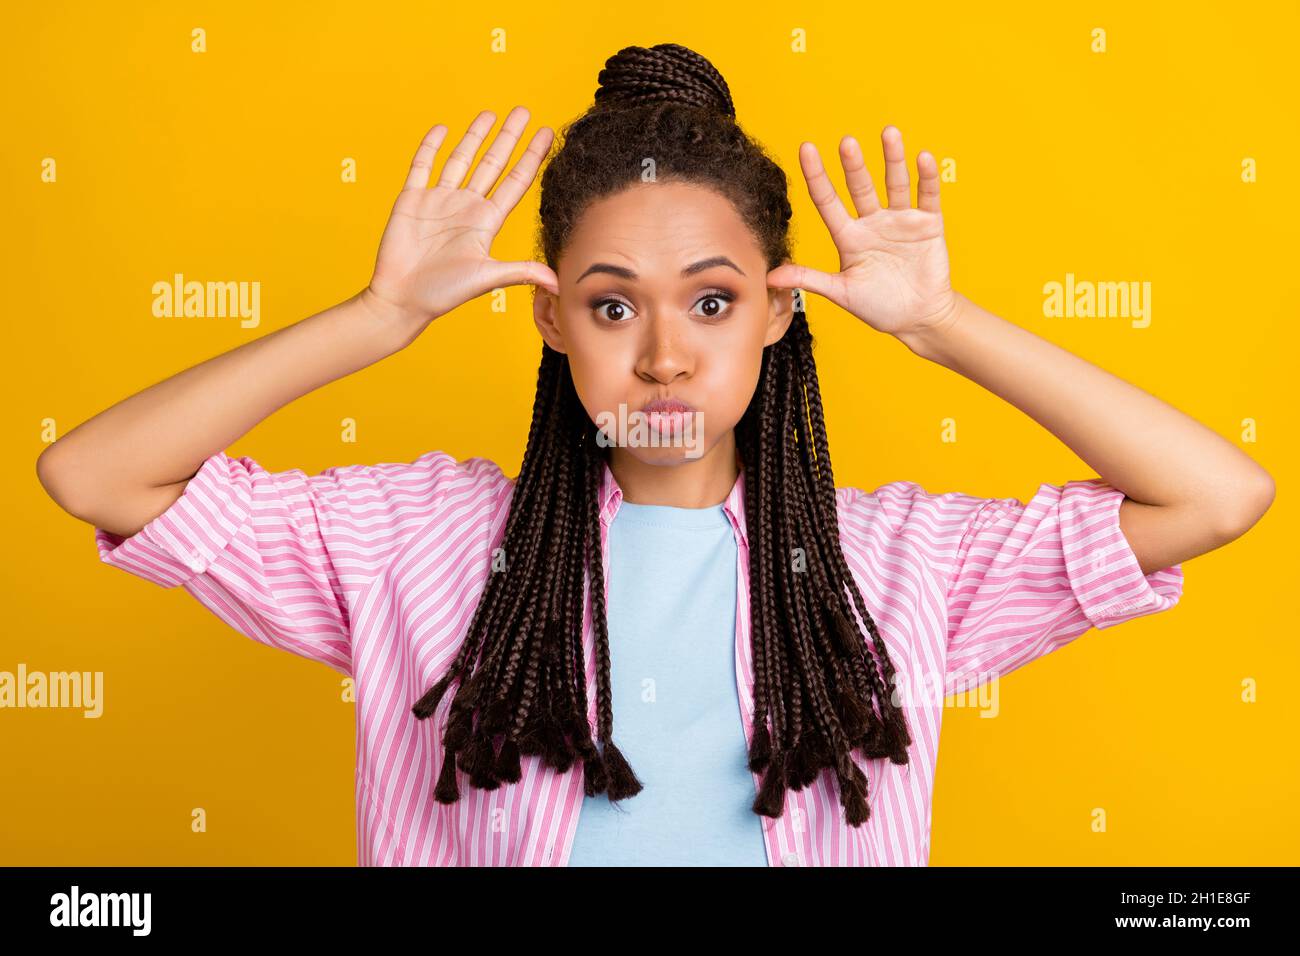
<point x="672" y="638"/>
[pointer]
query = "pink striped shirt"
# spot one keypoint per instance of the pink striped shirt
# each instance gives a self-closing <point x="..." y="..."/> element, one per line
<point x="375" y="571"/>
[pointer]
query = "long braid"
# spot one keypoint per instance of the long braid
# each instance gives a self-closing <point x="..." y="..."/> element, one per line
<point x="813" y="749"/>
<point x="426" y="705"/>
<point x="760" y="747"/>
<point x="771" y="795"/>
<point x="502" y="656"/>
<point x="866" y="683"/>
<point x="613" y="773"/>
<point x="888" y="735"/>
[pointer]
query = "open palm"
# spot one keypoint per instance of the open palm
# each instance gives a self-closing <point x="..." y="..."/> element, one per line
<point x="893" y="260"/>
<point x="435" y="253"/>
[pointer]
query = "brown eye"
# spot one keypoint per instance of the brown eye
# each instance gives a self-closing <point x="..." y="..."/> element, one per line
<point x="719" y="302"/>
<point x="612" y="304"/>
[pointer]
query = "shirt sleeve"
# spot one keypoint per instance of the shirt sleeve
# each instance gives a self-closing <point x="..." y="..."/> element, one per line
<point x="276" y="554"/>
<point x="1026" y="579"/>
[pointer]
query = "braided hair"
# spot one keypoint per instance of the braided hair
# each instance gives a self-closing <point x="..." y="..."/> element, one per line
<point x="820" y="688"/>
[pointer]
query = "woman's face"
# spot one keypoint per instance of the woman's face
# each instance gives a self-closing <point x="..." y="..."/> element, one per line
<point x="663" y="295"/>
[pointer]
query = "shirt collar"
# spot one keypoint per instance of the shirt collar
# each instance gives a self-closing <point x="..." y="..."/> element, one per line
<point x="611" y="496"/>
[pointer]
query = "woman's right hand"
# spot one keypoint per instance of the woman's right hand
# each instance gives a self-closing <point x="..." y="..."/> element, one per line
<point x="435" y="251"/>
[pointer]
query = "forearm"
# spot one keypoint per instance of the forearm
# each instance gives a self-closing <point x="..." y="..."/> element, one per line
<point x="161" y="435"/>
<point x="1139" y="444"/>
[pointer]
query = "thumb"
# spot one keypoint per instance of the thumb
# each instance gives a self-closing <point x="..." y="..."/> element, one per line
<point x="523" y="272"/>
<point x="790" y="275"/>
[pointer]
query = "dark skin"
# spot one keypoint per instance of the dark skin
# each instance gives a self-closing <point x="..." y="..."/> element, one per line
<point x="665" y="334"/>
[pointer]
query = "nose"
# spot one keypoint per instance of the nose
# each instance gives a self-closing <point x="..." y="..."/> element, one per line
<point x="664" y="354"/>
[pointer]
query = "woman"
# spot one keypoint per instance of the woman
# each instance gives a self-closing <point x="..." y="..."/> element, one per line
<point x="827" y="606"/>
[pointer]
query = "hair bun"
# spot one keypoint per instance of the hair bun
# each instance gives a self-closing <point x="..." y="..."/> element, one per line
<point x="667" y="71"/>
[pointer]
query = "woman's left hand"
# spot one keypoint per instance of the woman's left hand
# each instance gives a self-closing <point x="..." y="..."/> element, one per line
<point x="893" y="261"/>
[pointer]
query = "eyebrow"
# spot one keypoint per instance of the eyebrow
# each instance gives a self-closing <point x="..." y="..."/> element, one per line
<point x="625" y="273"/>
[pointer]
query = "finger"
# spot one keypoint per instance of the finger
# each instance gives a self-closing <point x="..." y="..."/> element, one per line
<point x="897" y="185"/>
<point x="518" y="180"/>
<point x="422" y="165"/>
<point x="822" y="190"/>
<point x="463" y="154"/>
<point x="857" y="178"/>
<point x="525" y="272"/>
<point x="790" y="275"/>
<point x="927" y="183"/>
<point x="494" y="160"/>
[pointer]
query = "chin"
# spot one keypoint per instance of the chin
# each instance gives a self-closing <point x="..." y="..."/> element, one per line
<point x="666" y="457"/>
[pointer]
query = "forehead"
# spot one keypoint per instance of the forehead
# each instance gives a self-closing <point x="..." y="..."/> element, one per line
<point x="660" y="224"/>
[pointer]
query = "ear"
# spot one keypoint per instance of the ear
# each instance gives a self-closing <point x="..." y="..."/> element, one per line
<point x="780" y="313"/>
<point x="546" y="310"/>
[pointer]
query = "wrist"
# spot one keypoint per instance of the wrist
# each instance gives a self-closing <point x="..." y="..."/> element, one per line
<point x="926" y="339"/>
<point x="394" y="323"/>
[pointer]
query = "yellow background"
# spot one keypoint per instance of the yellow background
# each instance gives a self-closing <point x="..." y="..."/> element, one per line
<point x="225" y="165"/>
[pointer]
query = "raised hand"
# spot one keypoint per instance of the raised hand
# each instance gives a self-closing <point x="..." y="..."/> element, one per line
<point x="893" y="261"/>
<point x="435" y="253"/>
